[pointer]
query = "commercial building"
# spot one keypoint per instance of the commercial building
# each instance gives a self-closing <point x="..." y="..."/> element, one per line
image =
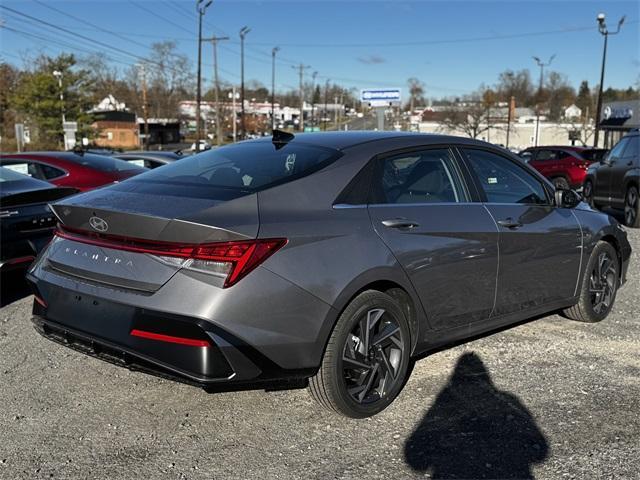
<point x="618" y="118"/>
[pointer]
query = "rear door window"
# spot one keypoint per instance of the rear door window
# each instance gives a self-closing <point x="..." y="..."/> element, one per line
<point x="427" y="176"/>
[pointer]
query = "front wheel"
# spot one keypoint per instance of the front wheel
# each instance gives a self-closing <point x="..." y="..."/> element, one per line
<point x="367" y="357"/>
<point x="632" y="208"/>
<point x="598" y="287"/>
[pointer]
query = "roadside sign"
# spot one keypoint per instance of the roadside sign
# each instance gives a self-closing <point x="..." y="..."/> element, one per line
<point x="381" y="97"/>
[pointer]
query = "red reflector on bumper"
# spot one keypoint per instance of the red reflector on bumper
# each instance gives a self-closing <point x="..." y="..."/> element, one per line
<point x="192" y="342"/>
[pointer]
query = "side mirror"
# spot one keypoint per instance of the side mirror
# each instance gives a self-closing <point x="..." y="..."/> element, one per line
<point x="567" y="198"/>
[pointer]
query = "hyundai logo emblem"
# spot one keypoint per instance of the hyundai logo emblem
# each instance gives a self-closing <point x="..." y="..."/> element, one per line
<point x="98" y="224"/>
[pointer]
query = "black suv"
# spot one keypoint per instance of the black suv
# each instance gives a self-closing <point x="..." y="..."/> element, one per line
<point x="614" y="181"/>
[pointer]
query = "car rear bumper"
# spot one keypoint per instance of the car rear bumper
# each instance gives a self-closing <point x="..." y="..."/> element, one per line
<point x="232" y="336"/>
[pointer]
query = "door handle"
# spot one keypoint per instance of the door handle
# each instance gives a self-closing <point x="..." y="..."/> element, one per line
<point x="399" y="223"/>
<point x="509" y="223"/>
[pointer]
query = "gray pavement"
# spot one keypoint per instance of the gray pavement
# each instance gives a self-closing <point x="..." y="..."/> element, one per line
<point x="550" y="398"/>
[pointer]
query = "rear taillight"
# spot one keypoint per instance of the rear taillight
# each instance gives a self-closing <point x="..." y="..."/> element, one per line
<point x="230" y="260"/>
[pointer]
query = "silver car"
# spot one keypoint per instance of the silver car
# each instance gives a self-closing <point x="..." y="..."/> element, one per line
<point x="328" y="259"/>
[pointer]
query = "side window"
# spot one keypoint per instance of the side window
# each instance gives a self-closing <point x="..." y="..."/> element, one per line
<point x="616" y="152"/>
<point x="632" y="150"/>
<point x="546" y="155"/>
<point x="503" y="181"/>
<point x="426" y="176"/>
<point x="49" y="172"/>
<point x="19" y="167"/>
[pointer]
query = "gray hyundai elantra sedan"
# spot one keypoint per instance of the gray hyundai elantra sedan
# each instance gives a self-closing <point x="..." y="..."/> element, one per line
<point x="332" y="259"/>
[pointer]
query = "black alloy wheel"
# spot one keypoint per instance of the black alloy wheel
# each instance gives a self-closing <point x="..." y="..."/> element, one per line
<point x="366" y="361"/>
<point x="372" y="357"/>
<point x="631" y="208"/>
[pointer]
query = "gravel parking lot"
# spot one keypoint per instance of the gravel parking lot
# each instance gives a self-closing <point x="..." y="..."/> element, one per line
<point x="550" y="399"/>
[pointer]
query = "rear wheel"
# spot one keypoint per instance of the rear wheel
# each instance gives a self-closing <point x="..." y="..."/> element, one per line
<point x="632" y="208"/>
<point x="561" y="183"/>
<point x="598" y="287"/>
<point x="367" y="357"/>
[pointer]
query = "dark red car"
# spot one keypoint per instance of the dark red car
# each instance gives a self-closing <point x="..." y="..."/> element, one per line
<point x="565" y="166"/>
<point x="79" y="170"/>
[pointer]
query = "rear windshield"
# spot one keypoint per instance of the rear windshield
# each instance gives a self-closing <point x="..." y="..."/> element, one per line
<point x="102" y="163"/>
<point x="235" y="169"/>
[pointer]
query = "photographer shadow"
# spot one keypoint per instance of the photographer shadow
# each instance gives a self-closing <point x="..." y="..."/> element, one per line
<point x="475" y="430"/>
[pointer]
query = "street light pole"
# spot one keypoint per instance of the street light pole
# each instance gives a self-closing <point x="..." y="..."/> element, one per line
<point x="58" y="75"/>
<point x="243" y="33"/>
<point x="604" y="31"/>
<point x="201" y="7"/>
<point x="541" y="65"/>
<point x="313" y="96"/>
<point x="273" y="86"/>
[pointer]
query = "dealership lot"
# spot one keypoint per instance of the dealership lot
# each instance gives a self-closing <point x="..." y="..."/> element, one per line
<point x="552" y="398"/>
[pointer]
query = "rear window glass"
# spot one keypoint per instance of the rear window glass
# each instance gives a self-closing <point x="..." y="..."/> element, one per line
<point x="102" y="163"/>
<point x="236" y="169"/>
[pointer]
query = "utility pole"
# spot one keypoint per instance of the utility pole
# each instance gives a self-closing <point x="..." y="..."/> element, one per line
<point x="201" y="7"/>
<point x="324" y="118"/>
<point x="214" y="43"/>
<point x="313" y="97"/>
<point x="301" y="68"/>
<point x="145" y="106"/>
<point x="243" y="33"/>
<point x="273" y="87"/>
<point x="335" y="111"/>
<point x="511" y="108"/>
<point x="233" y="106"/>
<point x="604" y="31"/>
<point x="541" y="65"/>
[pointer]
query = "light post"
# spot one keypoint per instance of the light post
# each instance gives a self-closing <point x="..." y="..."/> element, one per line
<point x="541" y="65"/>
<point x="243" y="33"/>
<point x="313" y="98"/>
<point x="58" y="75"/>
<point x="201" y="7"/>
<point x="604" y="31"/>
<point x="273" y="86"/>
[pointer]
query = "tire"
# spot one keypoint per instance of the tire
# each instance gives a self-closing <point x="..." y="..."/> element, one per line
<point x="561" y="183"/>
<point x="358" y="378"/>
<point x="601" y="275"/>
<point x="587" y="193"/>
<point x="632" y="208"/>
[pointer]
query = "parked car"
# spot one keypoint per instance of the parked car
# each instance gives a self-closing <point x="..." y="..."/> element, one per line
<point x="80" y="170"/>
<point x="564" y="166"/>
<point x="615" y="181"/>
<point x="150" y="159"/>
<point x="333" y="258"/>
<point x="26" y="222"/>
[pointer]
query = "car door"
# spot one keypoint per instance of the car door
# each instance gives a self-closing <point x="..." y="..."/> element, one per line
<point x="447" y="245"/>
<point x="540" y="244"/>
<point x="604" y="180"/>
<point x="618" y="169"/>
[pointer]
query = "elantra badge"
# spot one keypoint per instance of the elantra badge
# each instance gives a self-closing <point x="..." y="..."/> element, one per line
<point x="98" y="224"/>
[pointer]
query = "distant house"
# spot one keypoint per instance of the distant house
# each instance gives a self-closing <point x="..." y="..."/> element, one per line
<point x="572" y="112"/>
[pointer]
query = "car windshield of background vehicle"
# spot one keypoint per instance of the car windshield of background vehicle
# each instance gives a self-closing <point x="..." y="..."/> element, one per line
<point x="632" y="149"/>
<point x="503" y="181"/>
<point x="616" y="152"/>
<point x="426" y="176"/>
<point x="237" y="169"/>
